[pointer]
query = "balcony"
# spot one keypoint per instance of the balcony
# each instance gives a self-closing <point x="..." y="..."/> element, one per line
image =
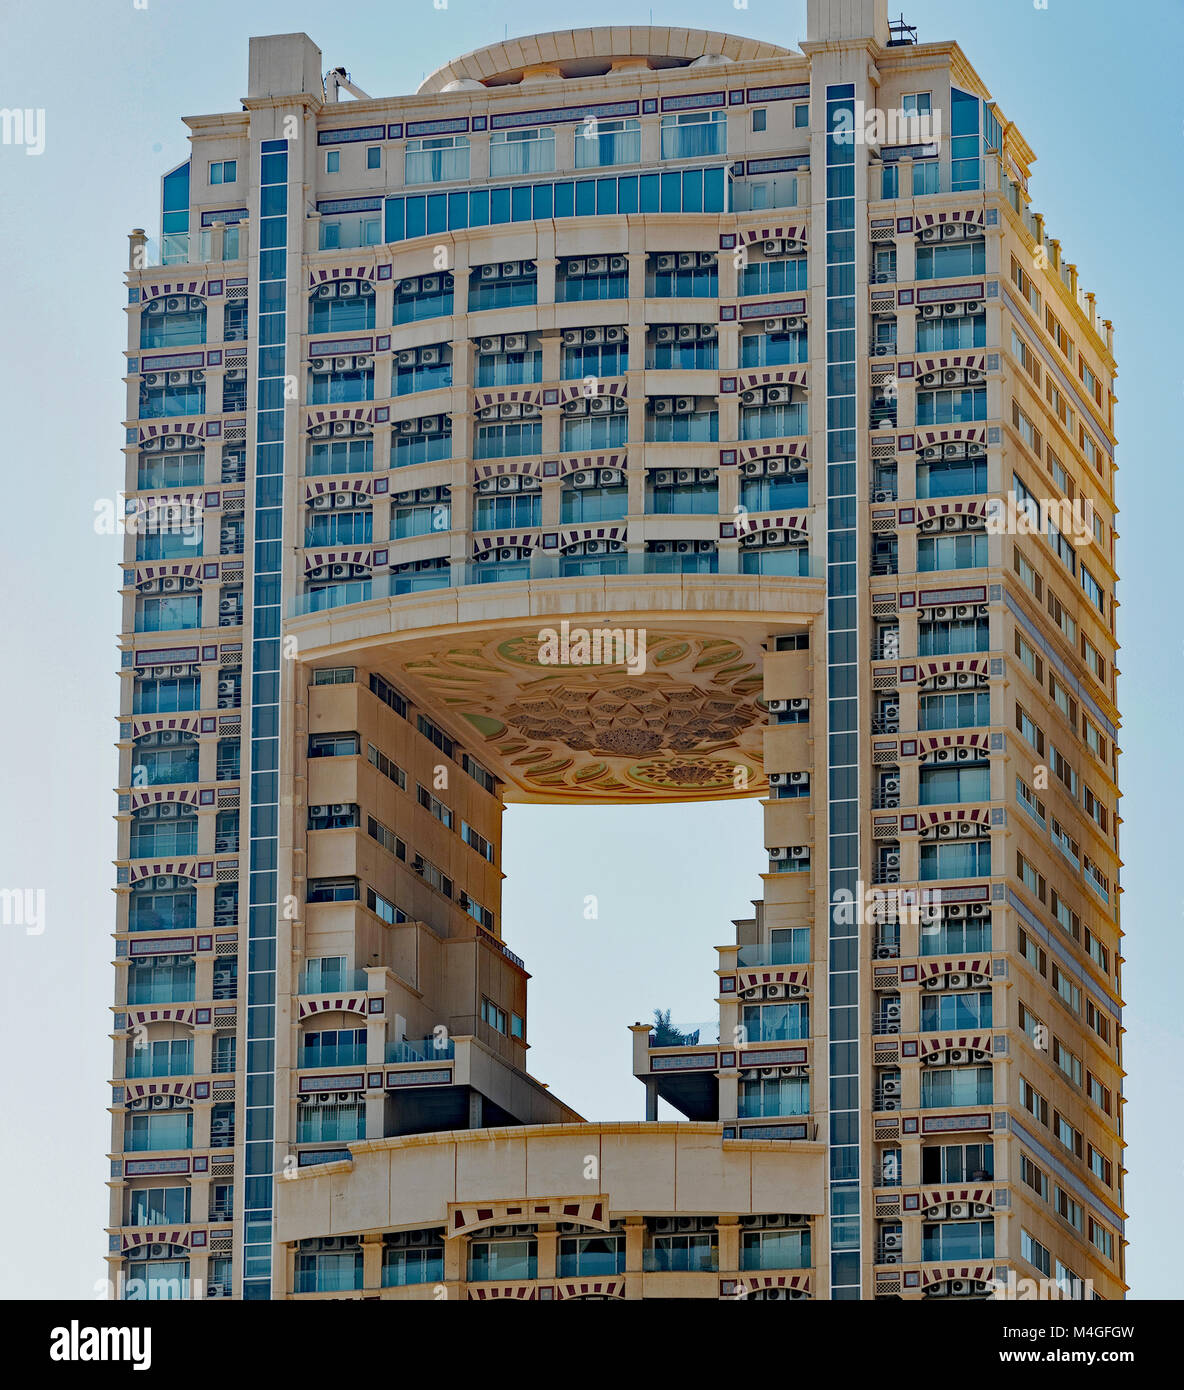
<point x="420" y="1050"/>
<point x="680" y="1260"/>
<point x="143" y="1064"/>
<point x="317" y="981"/>
<point x="787" y="954"/>
<point x="328" y="1055"/>
<point x="159" y="992"/>
<point x="669" y="1034"/>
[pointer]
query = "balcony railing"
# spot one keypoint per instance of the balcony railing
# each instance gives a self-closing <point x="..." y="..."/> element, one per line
<point x="420" y="1050"/>
<point x="679" y="1260"/>
<point x="686" y="1035"/>
<point x="164" y="992"/>
<point x="141" y="1063"/>
<point x="330" y="981"/>
<point x="772" y="955"/>
<point x="343" y="1055"/>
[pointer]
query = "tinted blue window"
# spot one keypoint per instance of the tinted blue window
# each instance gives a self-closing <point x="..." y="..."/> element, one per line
<point x="585" y="197"/>
<point x="544" y="200"/>
<point x="458" y="210"/>
<point x="479" y="207"/>
<point x="499" y="205"/>
<point x="671" y="192"/>
<point x="416" y="216"/>
<point x="649" y="193"/>
<point x="437" y="212"/>
<point x="692" y="190"/>
<point x="606" y="195"/>
<point x="714" y="191"/>
<point x="627" y="193"/>
<point x="395" y="219"/>
<point x="520" y="203"/>
<point x="564" y="199"/>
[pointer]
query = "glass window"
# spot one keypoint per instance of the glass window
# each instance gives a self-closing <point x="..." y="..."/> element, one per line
<point x="961" y="782"/>
<point x="333" y="162"/>
<point x="224" y="171"/>
<point x="694" y="134"/>
<point x="580" y="505"/>
<point x="963" y="859"/>
<point x="600" y="143"/>
<point x="529" y="151"/>
<point x="957" y="552"/>
<point x="441" y="159"/>
<point x="374" y="157"/>
<point x="968" y="1010"/>
<point x="945" y="1086"/>
<point x="503" y="1259"/>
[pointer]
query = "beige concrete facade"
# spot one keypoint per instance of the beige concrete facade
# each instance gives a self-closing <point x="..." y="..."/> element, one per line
<point x="331" y="697"/>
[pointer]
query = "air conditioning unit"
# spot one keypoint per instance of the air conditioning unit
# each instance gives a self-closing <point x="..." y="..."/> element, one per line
<point x="430" y="284"/>
<point x="159" y="1102"/>
<point x="687" y="260"/>
<point x="578" y="405"/>
<point x="611" y="477"/>
<point x="491" y="344"/>
<point x="801" y="704"/>
<point x="662" y="405"/>
<point x="684" y="405"/>
<point x="511" y="270"/>
<point x="957" y="1055"/>
<point x="509" y="410"/>
<point x="794" y="323"/>
<point x="892" y="1240"/>
<point x="777" y="853"/>
<point x="774" y="992"/>
<point x="346" y="289"/>
<point x="667" y="262"/>
<point x="892" y="860"/>
<point x="515" y="342"/>
<point x="600" y="405"/>
<point x="577" y="266"/>
<point x="777" y="395"/>
<point x="973" y="306"/>
<point x="614" y="334"/>
<point x="755" y="396"/>
<point x="597" y="265"/>
<point x="930" y="311"/>
<point x="593" y="335"/>
<point x="687" y="332"/>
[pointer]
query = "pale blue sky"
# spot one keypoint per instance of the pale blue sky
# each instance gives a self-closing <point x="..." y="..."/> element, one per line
<point x="1092" y="84"/>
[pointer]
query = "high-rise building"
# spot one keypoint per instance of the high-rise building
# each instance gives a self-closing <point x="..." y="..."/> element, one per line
<point x="629" y="415"/>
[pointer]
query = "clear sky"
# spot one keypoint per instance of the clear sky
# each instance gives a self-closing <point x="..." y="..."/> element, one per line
<point x="1092" y="84"/>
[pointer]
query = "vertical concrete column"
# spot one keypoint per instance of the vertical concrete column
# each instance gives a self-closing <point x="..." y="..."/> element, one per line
<point x="372" y="1260"/>
<point x="634" y="1245"/>
<point x="375" y="1113"/>
<point x="729" y="1244"/>
<point x="476" y="1109"/>
<point x="201" y="1124"/>
<point x="548" y="1249"/>
<point x="203" y="1045"/>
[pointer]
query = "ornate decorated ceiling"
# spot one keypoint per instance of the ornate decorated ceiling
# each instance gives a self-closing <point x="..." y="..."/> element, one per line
<point x="684" y="724"/>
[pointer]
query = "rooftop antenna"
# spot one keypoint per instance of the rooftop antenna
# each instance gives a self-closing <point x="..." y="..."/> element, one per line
<point x="339" y="80"/>
<point x="901" y="33"/>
